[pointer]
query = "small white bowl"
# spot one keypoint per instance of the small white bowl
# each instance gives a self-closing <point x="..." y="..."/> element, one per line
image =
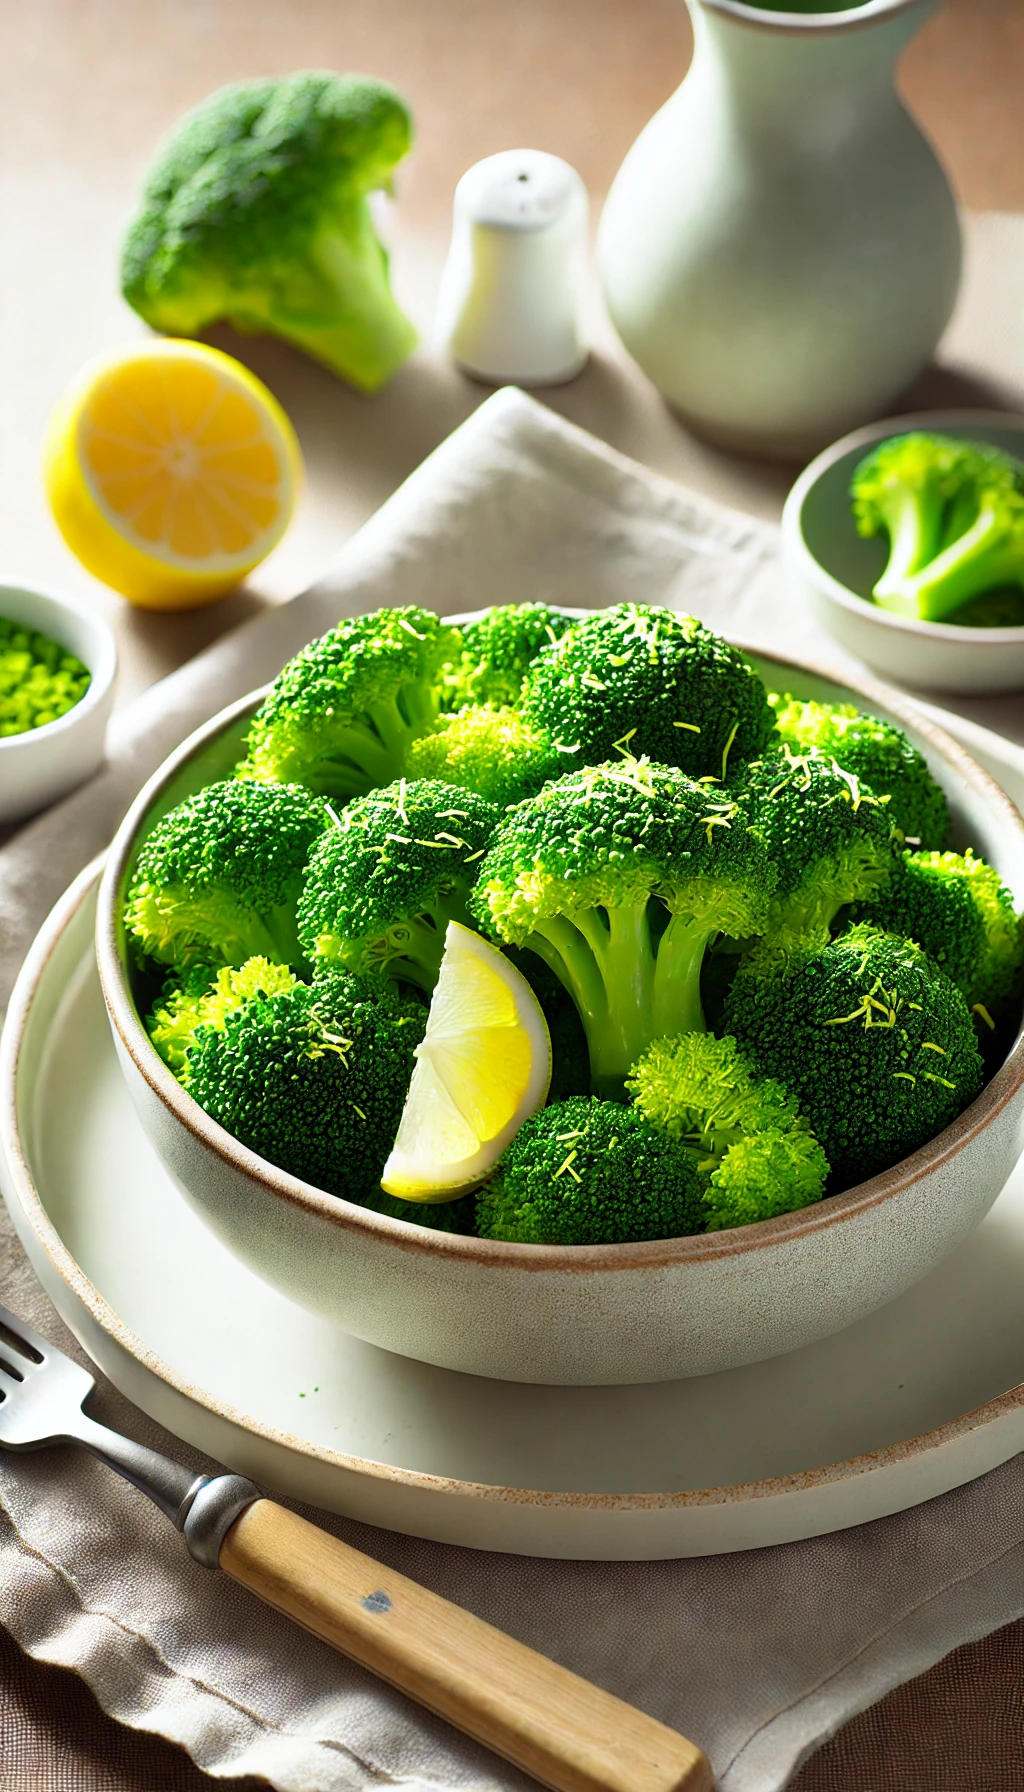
<point x="44" y="763"/>
<point x="833" y="568"/>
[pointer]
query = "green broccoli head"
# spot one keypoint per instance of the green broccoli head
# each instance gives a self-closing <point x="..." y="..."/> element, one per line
<point x="745" y="1132"/>
<point x="765" y="1175"/>
<point x="313" y="1079"/>
<point x="256" y="212"/>
<point x="619" y="876"/>
<point x="384" y="882"/>
<point x="642" y="680"/>
<point x="590" y="1172"/>
<point x="203" y="995"/>
<point x="342" y="715"/>
<point x="878" y="754"/>
<point x="830" y="837"/>
<point x="219" y="877"/>
<point x="953" y="512"/>
<point x="498" y="649"/>
<point x="494" y="751"/>
<point x="960" y="912"/>
<point x="876" y="1043"/>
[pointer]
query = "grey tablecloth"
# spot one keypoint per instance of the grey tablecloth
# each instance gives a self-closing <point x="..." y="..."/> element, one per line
<point x="758" y="1657"/>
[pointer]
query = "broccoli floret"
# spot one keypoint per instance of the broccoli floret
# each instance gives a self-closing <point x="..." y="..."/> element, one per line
<point x="765" y="1175"/>
<point x="619" y="876"/>
<point x="590" y="1172"/>
<point x="642" y="680"/>
<point x="203" y="996"/>
<point x="384" y="882"/>
<point x="498" y="650"/>
<point x="954" y="515"/>
<point x="314" y="1079"/>
<point x="959" y="910"/>
<point x="876" y="1043"/>
<point x="219" y="877"/>
<point x="878" y="754"/>
<point x="829" y="836"/>
<point x="341" y="716"/>
<point x="746" y="1133"/>
<point x="438" y="1216"/>
<point x="495" y="751"/>
<point x="256" y="212"/>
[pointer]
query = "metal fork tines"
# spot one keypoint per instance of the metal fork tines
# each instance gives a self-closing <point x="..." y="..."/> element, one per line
<point x="42" y="1394"/>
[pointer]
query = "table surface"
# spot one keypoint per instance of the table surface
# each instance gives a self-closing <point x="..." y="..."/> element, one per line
<point x="86" y="87"/>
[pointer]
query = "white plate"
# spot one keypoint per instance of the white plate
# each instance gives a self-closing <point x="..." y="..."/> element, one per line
<point x="912" y="1401"/>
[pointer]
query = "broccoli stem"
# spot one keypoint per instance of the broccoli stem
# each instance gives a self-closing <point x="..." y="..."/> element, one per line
<point x="413" y="949"/>
<point x="369" y="336"/>
<point x="358" y="761"/>
<point x="914" y="524"/>
<point x="365" y="757"/>
<point x="627" y="989"/>
<point x="986" y="557"/>
<point x="677" y="1003"/>
<point x="282" y="937"/>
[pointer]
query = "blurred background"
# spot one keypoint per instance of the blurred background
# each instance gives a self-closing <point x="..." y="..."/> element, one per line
<point x="88" y="87"/>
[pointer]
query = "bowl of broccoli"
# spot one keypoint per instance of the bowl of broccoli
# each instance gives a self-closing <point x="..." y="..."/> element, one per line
<point x="772" y="923"/>
<point x="907" y="540"/>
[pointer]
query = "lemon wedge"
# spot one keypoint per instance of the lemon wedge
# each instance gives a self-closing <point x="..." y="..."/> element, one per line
<point x="171" y="471"/>
<point x="483" y="1068"/>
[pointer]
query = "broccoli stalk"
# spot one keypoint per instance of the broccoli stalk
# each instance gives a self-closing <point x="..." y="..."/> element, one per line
<point x="629" y="981"/>
<point x="619" y="877"/>
<point x="990" y="553"/>
<point x="256" y="211"/>
<point x="954" y="515"/>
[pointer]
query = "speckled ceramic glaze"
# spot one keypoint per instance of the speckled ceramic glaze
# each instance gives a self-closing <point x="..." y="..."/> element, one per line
<point x="601" y="1314"/>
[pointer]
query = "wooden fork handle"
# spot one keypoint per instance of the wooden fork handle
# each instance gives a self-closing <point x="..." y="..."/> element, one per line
<point x="570" y="1735"/>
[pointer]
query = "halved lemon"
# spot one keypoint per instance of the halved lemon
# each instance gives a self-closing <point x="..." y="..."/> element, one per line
<point x="171" y="471"/>
<point x="483" y="1068"/>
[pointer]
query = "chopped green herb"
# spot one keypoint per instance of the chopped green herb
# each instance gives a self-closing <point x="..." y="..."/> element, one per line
<point x="39" y="679"/>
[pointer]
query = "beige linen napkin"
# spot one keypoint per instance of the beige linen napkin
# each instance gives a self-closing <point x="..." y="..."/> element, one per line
<point x="760" y="1656"/>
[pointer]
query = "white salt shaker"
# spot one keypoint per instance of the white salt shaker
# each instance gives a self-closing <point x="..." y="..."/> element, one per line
<point x="512" y="289"/>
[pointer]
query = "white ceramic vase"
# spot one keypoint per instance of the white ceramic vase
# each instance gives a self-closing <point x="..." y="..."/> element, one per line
<point x="780" y="250"/>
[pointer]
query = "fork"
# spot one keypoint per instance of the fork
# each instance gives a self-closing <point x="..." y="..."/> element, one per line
<point x="570" y="1735"/>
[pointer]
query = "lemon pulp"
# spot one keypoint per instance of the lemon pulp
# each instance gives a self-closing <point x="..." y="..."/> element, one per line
<point x="484" y="1066"/>
<point x="171" y="471"/>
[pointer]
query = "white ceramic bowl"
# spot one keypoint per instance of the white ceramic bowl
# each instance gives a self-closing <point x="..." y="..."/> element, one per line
<point x="604" y="1313"/>
<point x="45" y="763"/>
<point x="833" y="569"/>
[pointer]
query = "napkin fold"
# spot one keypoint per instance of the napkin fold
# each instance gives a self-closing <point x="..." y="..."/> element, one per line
<point x="759" y="1657"/>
